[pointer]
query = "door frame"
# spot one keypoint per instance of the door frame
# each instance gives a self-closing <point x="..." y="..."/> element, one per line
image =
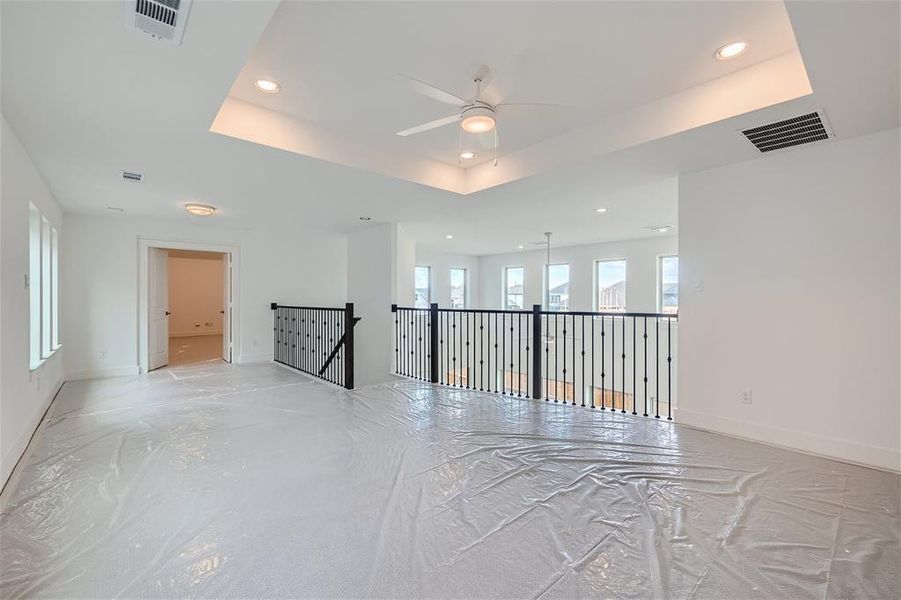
<point x="144" y="246"/>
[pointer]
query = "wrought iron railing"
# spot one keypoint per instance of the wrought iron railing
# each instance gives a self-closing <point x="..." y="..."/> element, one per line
<point x="617" y="361"/>
<point x="316" y="340"/>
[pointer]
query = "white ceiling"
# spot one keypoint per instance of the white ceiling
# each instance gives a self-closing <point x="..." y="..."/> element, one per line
<point x="88" y="106"/>
<point x="337" y="63"/>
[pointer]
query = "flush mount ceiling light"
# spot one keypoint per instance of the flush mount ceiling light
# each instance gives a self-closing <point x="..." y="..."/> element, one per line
<point x="601" y="210"/>
<point x="467" y="155"/>
<point x="201" y="210"/>
<point x="449" y="236"/>
<point x="365" y="218"/>
<point x="267" y="86"/>
<point x="731" y="50"/>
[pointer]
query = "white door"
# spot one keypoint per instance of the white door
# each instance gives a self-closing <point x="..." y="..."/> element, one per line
<point x="158" y="287"/>
<point x="227" y="307"/>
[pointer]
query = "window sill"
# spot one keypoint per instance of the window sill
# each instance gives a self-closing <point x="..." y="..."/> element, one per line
<point x="35" y="366"/>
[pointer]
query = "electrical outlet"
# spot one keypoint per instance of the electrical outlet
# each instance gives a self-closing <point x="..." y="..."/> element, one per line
<point x="103" y="355"/>
<point x="698" y="286"/>
<point x="253" y="342"/>
<point x="746" y="397"/>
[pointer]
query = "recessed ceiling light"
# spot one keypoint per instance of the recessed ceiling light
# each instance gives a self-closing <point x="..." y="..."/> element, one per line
<point x="201" y="210"/>
<point x="601" y="210"/>
<point x="520" y="247"/>
<point x="365" y="218"/>
<point x="662" y="229"/>
<point x="267" y="86"/>
<point x="449" y="236"/>
<point x="467" y="155"/>
<point x="731" y="50"/>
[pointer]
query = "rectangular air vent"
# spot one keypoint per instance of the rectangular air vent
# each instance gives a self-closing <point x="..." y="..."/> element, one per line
<point x="803" y="129"/>
<point x="132" y="176"/>
<point x="163" y="19"/>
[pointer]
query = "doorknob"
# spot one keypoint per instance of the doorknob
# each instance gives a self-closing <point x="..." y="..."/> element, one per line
<point x="168" y="313"/>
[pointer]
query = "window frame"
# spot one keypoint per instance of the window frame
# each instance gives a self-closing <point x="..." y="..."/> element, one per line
<point x="465" y="287"/>
<point x="428" y="300"/>
<point x="660" y="259"/>
<point x="43" y="288"/>
<point x="546" y="300"/>
<point x="505" y="304"/>
<point x="597" y="282"/>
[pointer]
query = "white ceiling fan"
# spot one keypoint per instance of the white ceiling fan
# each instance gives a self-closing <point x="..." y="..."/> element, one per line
<point x="475" y="115"/>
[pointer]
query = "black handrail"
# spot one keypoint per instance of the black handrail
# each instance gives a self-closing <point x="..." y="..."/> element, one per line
<point x="304" y="338"/>
<point x="559" y="356"/>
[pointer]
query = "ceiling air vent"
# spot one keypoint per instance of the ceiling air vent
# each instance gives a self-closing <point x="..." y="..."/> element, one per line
<point x="163" y="19"/>
<point x="132" y="176"/>
<point x="796" y="131"/>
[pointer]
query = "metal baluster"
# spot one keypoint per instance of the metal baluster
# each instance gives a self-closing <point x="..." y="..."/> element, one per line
<point x="624" y="364"/>
<point x="669" y="371"/>
<point x="583" y="360"/>
<point x="645" y="366"/>
<point x="634" y="362"/>
<point x="556" y="363"/>
<point x="657" y="367"/>
<point x="481" y="352"/>
<point x="519" y="355"/>
<point x="467" y="348"/>
<point x="496" y="361"/>
<point x="592" y="363"/>
<point x="603" y="364"/>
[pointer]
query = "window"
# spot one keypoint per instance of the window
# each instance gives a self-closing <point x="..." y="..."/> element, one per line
<point x="513" y="286"/>
<point x="611" y="282"/>
<point x="43" y="287"/>
<point x="458" y="288"/>
<point x="556" y="291"/>
<point x="423" y="287"/>
<point x="668" y="293"/>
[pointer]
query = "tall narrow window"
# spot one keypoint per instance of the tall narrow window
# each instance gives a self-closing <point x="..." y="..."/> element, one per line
<point x="556" y="287"/>
<point x="423" y="287"/>
<point x="34" y="284"/>
<point x="611" y="285"/>
<point x="669" y="284"/>
<point x="458" y="288"/>
<point x="513" y="288"/>
<point x="46" y="289"/>
<point x="54" y="285"/>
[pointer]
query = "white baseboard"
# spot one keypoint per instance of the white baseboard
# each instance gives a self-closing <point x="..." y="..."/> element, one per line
<point x="123" y="371"/>
<point x="194" y="333"/>
<point x="844" y="450"/>
<point x="15" y="454"/>
<point x="255" y="358"/>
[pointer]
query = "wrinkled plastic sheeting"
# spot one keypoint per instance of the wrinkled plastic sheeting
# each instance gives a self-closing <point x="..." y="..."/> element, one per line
<point x="255" y="481"/>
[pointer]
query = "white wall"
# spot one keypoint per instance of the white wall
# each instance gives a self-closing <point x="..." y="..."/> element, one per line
<point x="797" y="259"/>
<point x="100" y="283"/>
<point x="24" y="395"/>
<point x="195" y="289"/>
<point x="441" y="263"/>
<point x="379" y="273"/>
<point x="641" y="272"/>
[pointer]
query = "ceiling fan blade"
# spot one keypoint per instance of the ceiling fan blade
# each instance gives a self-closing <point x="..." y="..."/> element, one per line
<point x="426" y="89"/>
<point x="430" y="125"/>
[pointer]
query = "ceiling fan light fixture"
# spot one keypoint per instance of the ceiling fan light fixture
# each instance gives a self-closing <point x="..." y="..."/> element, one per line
<point x="478" y="119"/>
<point x="467" y="155"/>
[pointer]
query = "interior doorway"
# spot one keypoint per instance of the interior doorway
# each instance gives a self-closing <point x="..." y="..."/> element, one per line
<point x="190" y="306"/>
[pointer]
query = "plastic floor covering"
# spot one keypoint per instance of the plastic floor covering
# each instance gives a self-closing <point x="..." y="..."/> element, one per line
<point x="220" y="481"/>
